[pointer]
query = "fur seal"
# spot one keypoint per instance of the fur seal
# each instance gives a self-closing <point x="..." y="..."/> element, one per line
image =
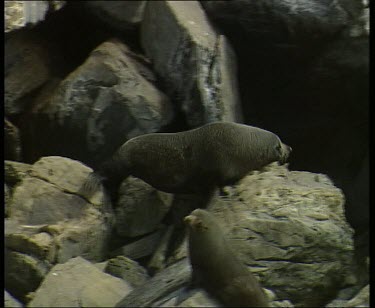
<point x="193" y="161"/>
<point x="216" y="267"/>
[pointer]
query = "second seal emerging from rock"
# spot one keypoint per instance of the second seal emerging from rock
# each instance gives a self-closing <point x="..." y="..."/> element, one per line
<point x="216" y="267"/>
<point x="196" y="160"/>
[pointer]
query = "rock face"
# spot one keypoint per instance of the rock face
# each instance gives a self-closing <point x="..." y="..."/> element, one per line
<point x="10" y="301"/>
<point x="196" y="63"/>
<point x="79" y="284"/>
<point x="107" y="100"/>
<point x="26" y="69"/>
<point x="78" y="85"/>
<point x="127" y="269"/>
<point x="12" y="142"/>
<point x="20" y="13"/>
<point x="49" y="222"/>
<point x="288" y="54"/>
<point x="289" y="228"/>
<point x="140" y="208"/>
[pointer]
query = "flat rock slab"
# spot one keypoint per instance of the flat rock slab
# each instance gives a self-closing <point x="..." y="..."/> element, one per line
<point x="196" y="63"/>
<point x="78" y="283"/>
<point x="162" y="284"/>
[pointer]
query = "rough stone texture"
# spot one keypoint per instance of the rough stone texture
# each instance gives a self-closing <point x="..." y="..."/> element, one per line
<point x="289" y="227"/>
<point x="197" y="65"/>
<point x="121" y="15"/>
<point x="54" y="222"/>
<point x="26" y="65"/>
<point x="140" y="248"/>
<point x="12" y="142"/>
<point x="127" y="269"/>
<point x="104" y="102"/>
<point x="169" y="280"/>
<point x="78" y="283"/>
<point x="20" y="13"/>
<point x="140" y="208"/>
<point x="15" y="171"/>
<point x="23" y="273"/>
<point x="10" y="301"/>
<point x="362" y="299"/>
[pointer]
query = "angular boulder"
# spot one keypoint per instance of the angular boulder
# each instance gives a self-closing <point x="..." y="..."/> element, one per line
<point x="197" y="64"/>
<point x="78" y="283"/>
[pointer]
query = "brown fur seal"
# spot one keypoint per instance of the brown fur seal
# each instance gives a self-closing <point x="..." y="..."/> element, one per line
<point x="216" y="267"/>
<point x="193" y="161"/>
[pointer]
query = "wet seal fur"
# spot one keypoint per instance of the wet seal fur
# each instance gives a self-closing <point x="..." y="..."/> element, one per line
<point x="216" y="267"/>
<point x="193" y="161"/>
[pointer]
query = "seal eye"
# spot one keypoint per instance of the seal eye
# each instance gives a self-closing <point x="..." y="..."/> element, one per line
<point x="278" y="148"/>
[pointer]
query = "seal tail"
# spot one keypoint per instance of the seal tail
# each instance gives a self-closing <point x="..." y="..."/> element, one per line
<point x="92" y="184"/>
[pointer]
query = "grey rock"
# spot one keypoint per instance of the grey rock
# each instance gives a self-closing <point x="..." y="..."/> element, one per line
<point x="289" y="228"/>
<point x="26" y="69"/>
<point x="20" y="13"/>
<point x="23" y="273"/>
<point x="12" y="142"/>
<point x="163" y="283"/>
<point x="78" y="283"/>
<point x="127" y="269"/>
<point x="196" y="63"/>
<point x="140" y="208"/>
<point x="361" y="299"/>
<point x="10" y="301"/>
<point x="121" y="15"/>
<point x="55" y="222"/>
<point x="100" y="105"/>
<point x="140" y="248"/>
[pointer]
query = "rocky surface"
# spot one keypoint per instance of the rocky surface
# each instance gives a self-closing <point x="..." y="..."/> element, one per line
<point x="127" y="269"/>
<point x="26" y="70"/>
<point x="196" y="63"/>
<point x="140" y="208"/>
<point x="81" y="78"/>
<point x="12" y="142"/>
<point x="10" y="301"/>
<point x="104" y="102"/>
<point x="21" y="13"/>
<point x="49" y="222"/>
<point x="78" y="283"/>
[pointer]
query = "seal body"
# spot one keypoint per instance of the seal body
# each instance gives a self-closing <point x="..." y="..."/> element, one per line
<point x="216" y="267"/>
<point x="197" y="160"/>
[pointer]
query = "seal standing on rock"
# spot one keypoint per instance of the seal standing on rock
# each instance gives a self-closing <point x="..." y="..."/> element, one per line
<point x="215" y="266"/>
<point x="193" y="161"/>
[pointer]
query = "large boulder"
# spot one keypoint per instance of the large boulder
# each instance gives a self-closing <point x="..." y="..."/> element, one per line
<point x="197" y="64"/>
<point x="78" y="283"/>
<point x="49" y="221"/>
<point x="96" y="108"/>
